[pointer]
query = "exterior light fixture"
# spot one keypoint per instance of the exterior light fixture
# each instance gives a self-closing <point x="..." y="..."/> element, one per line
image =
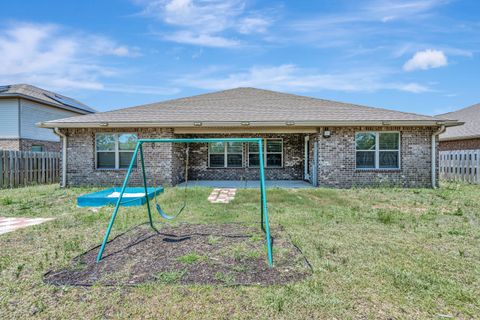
<point x="245" y="123"/>
<point x="104" y="124"/>
<point x="386" y="123"/>
<point x="290" y="123"/>
<point x="197" y="124"/>
<point x="327" y="133"/>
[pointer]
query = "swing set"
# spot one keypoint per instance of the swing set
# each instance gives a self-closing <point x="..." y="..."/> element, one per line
<point x="139" y="150"/>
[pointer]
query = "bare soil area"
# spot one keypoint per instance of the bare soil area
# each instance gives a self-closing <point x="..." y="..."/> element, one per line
<point x="220" y="254"/>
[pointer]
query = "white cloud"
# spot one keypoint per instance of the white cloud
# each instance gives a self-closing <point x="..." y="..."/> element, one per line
<point x="364" y="23"/>
<point x="289" y="77"/>
<point x="140" y="89"/>
<point x="42" y="54"/>
<point x="427" y="59"/>
<point x="389" y="10"/>
<point x="205" y="22"/>
<point x="206" y="40"/>
<point x="413" y="87"/>
<point x="105" y="46"/>
<point x="250" y="25"/>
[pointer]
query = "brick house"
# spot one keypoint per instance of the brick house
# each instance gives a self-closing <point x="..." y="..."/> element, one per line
<point x="22" y="106"/>
<point x="325" y="142"/>
<point x="465" y="137"/>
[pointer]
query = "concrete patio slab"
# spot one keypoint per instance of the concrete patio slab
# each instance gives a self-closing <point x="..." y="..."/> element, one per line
<point x="239" y="184"/>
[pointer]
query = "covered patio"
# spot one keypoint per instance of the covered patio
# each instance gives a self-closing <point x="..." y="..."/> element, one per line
<point x="242" y="184"/>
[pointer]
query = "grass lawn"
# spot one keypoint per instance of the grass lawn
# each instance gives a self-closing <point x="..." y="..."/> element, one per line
<point x="375" y="253"/>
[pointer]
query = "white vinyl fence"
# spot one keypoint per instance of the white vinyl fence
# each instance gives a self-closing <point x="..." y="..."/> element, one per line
<point x="23" y="168"/>
<point x="460" y="165"/>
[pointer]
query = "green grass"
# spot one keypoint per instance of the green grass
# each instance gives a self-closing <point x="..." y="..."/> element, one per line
<point x="376" y="253"/>
<point x="169" y="277"/>
<point x="190" y="258"/>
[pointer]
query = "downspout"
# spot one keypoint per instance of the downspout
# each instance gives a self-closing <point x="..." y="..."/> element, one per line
<point x="434" y="155"/>
<point x="63" y="137"/>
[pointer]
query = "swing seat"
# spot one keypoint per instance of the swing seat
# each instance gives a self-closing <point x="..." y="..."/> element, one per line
<point x="166" y="216"/>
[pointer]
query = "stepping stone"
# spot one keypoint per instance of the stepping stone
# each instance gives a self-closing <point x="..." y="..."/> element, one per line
<point x="8" y="224"/>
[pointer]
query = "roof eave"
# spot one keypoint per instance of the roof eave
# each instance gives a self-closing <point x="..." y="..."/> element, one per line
<point x="476" y="136"/>
<point x="53" y="124"/>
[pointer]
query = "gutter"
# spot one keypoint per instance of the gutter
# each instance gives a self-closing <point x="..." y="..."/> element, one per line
<point x="434" y="155"/>
<point x="216" y="124"/>
<point x="64" y="156"/>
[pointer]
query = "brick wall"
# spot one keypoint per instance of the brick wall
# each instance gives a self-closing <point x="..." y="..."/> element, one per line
<point x="466" y="144"/>
<point x="50" y="146"/>
<point x="336" y="163"/>
<point x="26" y="144"/>
<point x="81" y="163"/>
<point x="292" y="160"/>
<point x="336" y="159"/>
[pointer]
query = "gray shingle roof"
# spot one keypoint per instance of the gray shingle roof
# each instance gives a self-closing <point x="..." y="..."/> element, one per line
<point x="471" y="128"/>
<point x="44" y="96"/>
<point x="244" y="105"/>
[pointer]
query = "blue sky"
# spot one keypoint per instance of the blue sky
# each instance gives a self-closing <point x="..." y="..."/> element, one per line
<point x="412" y="55"/>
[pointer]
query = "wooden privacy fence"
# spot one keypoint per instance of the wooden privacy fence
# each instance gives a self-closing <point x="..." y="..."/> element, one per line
<point x="460" y="165"/>
<point x="23" y="168"/>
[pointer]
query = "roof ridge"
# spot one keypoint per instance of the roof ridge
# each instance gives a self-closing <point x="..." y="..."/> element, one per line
<point x="473" y="106"/>
<point x="296" y="96"/>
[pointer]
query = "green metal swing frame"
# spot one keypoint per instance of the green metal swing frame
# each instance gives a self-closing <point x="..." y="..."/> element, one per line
<point x="139" y="149"/>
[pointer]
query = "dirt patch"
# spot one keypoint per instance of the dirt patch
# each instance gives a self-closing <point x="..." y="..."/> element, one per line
<point x="227" y="254"/>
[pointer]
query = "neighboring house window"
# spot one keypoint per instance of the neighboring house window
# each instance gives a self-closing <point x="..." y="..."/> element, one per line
<point x="115" y="150"/>
<point x="273" y="153"/>
<point x="225" y="155"/>
<point x="36" y="148"/>
<point x="377" y="150"/>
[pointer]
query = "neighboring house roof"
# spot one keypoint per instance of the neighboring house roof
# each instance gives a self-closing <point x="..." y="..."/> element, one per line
<point x="246" y="106"/>
<point x="43" y="96"/>
<point x="471" y="129"/>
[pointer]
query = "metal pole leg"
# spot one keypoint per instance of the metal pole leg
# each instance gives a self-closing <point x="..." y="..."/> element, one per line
<point x="117" y="206"/>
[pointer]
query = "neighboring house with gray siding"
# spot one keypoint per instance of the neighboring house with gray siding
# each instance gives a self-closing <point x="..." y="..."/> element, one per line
<point x="465" y="137"/>
<point x="327" y="143"/>
<point x="22" y="106"/>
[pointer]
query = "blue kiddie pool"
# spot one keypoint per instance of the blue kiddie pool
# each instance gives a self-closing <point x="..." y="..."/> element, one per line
<point x="134" y="196"/>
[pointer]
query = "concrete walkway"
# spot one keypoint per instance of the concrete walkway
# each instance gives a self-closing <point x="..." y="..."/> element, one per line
<point x="238" y="184"/>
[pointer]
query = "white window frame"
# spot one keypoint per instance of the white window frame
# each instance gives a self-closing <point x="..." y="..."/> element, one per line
<point x="377" y="150"/>
<point x="265" y="153"/>
<point x="117" y="150"/>
<point x="225" y="157"/>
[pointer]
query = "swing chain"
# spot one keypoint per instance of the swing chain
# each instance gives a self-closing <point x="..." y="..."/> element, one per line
<point x="160" y="211"/>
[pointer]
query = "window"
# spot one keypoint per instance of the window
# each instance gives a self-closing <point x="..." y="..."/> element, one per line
<point x="115" y="151"/>
<point x="37" y="148"/>
<point x="377" y="150"/>
<point x="225" y="154"/>
<point x="273" y="153"/>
